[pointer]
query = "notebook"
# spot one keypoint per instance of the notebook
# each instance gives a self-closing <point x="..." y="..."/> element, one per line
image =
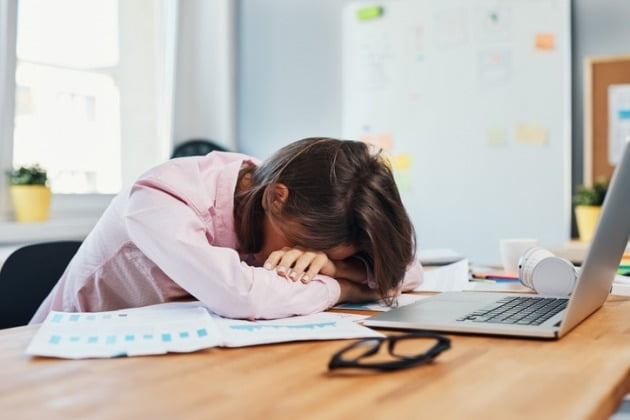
<point x="530" y="315"/>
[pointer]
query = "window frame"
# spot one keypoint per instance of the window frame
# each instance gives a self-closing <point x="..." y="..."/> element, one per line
<point x="8" y="40"/>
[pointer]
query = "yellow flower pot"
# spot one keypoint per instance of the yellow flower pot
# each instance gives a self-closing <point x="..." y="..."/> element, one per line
<point x="31" y="203"/>
<point x="586" y="218"/>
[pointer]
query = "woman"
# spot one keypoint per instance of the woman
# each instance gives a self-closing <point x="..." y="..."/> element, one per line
<point x="318" y="223"/>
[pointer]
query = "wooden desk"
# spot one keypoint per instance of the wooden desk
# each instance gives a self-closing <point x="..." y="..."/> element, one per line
<point x="584" y="375"/>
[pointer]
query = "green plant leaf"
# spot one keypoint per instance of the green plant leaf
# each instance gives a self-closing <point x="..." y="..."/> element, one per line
<point x="591" y="196"/>
<point x="28" y="175"/>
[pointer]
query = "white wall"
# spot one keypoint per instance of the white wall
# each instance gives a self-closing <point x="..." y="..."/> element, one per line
<point x="205" y="72"/>
<point x="289" y="74"/>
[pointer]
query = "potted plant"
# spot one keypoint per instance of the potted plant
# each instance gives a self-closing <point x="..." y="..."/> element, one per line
<point x="588" y="201"/>
<point x="29" y="193"/>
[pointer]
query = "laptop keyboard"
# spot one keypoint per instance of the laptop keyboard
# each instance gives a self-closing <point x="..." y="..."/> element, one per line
<point x="519" y="310"/>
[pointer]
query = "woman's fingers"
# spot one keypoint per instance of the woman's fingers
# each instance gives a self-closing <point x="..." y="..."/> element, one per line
<point x="274" y="258"/>
<point x="315" y="266"/>
<point x="303" y="262"/>
<point x="299" y="264"/>
<point x="288" y="260"/>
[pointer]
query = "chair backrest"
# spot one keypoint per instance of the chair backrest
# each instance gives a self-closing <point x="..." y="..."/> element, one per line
<point x="196" y="147"/>
<point x="28" y="275"/>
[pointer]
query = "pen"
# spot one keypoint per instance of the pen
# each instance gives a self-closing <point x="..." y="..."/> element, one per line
<point x="496" y="276"/>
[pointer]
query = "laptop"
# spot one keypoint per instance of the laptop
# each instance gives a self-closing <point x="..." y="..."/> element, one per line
<point x="531" y="315"/>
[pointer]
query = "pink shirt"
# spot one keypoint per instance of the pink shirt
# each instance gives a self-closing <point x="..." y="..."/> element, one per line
<point x="171" y="236"/>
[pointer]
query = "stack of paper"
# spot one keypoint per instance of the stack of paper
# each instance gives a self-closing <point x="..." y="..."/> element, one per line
<point x="624" y="265"/>
<point x="452" y="277"/>
<point x="176" y="327"/>
<point x="438" y="256"/>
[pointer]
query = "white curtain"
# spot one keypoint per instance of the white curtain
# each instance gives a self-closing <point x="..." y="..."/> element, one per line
<point x="166" y="73"/>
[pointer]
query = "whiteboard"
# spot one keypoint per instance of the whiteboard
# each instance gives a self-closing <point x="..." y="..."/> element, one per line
<point x="470" y="100"/>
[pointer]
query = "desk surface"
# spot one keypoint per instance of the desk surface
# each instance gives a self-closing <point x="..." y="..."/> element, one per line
<point x="583" y="375"/>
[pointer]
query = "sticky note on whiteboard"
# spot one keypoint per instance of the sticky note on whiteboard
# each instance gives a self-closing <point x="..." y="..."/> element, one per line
<point x="370" y="12"/>
<point x="531" y="134"/>
<point x="402" y="162"/>
<point x="545" y="41"/>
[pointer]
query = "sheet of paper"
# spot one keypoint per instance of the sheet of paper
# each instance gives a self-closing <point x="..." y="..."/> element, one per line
<point x="157" y="329"/>
<point x="348" y="316"/>
<point x="404" y="299"/>
<point x="322" y="326"/>
<point x="498" y="286"/>
<point x="177" y="327"/>
<point x="618" y="120"/>
<point x="438" y="256"/>
<point x="452" y="277"/>
<point x="622" y="289"/>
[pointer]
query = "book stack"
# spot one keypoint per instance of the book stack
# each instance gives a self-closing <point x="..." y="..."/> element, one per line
<point x="624" y="265"/>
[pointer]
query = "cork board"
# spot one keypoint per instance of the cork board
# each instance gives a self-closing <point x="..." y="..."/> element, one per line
<point x="599" y="74"/>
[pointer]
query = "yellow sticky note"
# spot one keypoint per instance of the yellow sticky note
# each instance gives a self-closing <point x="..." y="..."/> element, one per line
<point x="545" y="41"/>
<point x="402" y="162"/>
<point x="531" y="134"/>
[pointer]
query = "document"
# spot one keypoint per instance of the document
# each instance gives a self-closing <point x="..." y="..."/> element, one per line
<point x="447" y="278"/>
<point x="618" y="120"/>
<point x="176" y="327"/>
<point x="438" y="256"/>
<point x="403" y="299"/>
<point x="322" y="326"/>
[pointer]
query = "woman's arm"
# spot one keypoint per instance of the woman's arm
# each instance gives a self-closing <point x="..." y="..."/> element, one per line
<point x="300" y="264"/>
<point x="171" y="229"/>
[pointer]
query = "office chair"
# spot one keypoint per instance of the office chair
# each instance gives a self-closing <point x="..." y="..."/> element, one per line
<point x="196" y="147"/>
<point x="28" y="275"/>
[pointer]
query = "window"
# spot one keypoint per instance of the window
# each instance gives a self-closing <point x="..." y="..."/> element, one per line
<point x="77" y="60"/>
<point x="67" y="98"/>
<point x="92" y="94"/>
<point x="67" y="108"/>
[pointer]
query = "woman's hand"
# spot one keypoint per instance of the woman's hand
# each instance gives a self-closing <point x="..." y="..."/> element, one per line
<point x="300" y="264"/>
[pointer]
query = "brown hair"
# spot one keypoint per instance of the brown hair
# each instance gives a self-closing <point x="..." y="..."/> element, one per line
<point x="340" y="193"/>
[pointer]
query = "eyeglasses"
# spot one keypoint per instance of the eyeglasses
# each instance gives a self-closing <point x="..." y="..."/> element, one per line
<point x="399" y="356"/>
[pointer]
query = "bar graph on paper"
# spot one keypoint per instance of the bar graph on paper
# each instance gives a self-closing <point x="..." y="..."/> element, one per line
<point x="276" y="327"/>
<point x="175" y="327"/>
<point x="322" y="326"/>
<point x="142" y="331"/>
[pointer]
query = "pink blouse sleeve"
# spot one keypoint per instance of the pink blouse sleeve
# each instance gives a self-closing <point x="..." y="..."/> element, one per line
<point x="172" y="232"/>
<point x="413" y="277"/>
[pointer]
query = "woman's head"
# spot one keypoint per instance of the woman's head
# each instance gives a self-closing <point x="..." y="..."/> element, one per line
<point x="327" y="194"/>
